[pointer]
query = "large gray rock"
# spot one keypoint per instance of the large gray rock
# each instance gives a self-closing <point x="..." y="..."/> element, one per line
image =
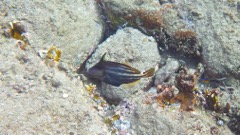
<point x="74" y="27"/>
<point x="165" y="72"/>
<point x="216" y="26"/>
<point x="152" y="119"/>
<point x="206" y="29"/>
<point x="36" y="99"/>
<point x="128" y="45"/>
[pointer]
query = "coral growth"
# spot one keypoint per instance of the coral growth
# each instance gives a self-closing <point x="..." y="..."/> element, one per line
<point x="184" y="35"/>
<point x="149" y="19"/>
<point x="166" y="93"/>
<point x="186" y="84"/>
<point x="212" y="102"/>
<point x="188" y="94"/>
<point x="90" y="88"/>
<point x="186" y="41"/>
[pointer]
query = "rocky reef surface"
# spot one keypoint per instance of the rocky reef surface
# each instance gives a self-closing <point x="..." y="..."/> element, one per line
<point x="193" y="45"/>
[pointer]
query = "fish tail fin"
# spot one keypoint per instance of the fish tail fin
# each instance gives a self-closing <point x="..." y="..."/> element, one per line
<point x="150" y="72"/>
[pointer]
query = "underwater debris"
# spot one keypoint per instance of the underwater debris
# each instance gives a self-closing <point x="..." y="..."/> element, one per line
<point x="18" y="31"/>
<point x="54" y="53"/>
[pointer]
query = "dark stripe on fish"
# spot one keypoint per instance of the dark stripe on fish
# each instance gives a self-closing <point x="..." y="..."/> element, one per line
<point x="118" y="67"/>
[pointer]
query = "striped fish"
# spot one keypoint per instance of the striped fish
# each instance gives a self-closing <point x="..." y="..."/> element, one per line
<point x="116" y="74"/>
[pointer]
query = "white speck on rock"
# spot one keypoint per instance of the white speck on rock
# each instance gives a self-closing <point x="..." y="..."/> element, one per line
<point x="65" y="95"/>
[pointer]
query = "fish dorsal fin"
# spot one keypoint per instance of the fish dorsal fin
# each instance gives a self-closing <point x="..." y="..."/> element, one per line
<point x="103" y="56"/>
<point x="126" y="63"/>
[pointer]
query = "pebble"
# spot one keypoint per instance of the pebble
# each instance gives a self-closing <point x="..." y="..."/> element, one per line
<point x="42" y="53"/>
<point x="62" y="66"/>
<point x="153" y="90"/>
<point x="56" y="83"/>
<point x="220" y="122"/>
<point x="65" y="95"/>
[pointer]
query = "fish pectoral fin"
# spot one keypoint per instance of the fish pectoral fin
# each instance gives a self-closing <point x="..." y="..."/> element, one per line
<point x="131" y="85"/>
<point x="103" y="56"/>
<point x="150" y="72"/>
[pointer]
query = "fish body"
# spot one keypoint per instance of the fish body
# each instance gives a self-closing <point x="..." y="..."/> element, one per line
<point x="116" y="74"/>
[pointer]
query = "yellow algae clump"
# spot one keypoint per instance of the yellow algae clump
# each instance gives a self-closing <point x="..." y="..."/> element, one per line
<point x="18" y="31"/>
<point x="54" y="53"/>
<point x="90" y="88"/>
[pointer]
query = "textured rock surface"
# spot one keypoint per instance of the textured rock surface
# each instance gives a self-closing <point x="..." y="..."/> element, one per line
<point x="151" y="118"/>
<point x="36" y="99"/>
<point x="165" y="72"/>
<point x="214" y="23"/>
<point x="127" y="46"/>
<point x="74" y="27"/>
<point x="33" y="97"/>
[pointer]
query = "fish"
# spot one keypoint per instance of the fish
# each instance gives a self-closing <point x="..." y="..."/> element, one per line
<point x="116" y="74"/>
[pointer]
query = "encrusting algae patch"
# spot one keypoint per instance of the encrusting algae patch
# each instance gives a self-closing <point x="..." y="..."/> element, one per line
<point x="54" y="53"/>
<point x="17" y="30"/>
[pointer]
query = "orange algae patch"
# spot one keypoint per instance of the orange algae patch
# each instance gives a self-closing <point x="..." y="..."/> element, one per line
<point x="186" y="83"/>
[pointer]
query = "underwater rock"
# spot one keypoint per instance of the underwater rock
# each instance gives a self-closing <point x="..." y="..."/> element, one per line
<point x="28" y="95"/>
<point x="162" y="22"/>
<point x="151" y="118"/>
<point x="142" y="14"/>
<point x="192" y="28"/>
<point x="75" y="28"/>
<point x="217" y="32"/>
<point x="130" y="46"/>
<point x="165" y="72"/>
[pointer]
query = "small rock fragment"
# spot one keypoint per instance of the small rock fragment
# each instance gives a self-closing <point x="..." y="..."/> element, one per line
<point x="220" y="122"/>
<point x="65" y="95"/>
<point x="166" y="71"/>
<point x="42" y="53"/>
<point x="55" y="82"/>
<point x="62" y="66"/>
